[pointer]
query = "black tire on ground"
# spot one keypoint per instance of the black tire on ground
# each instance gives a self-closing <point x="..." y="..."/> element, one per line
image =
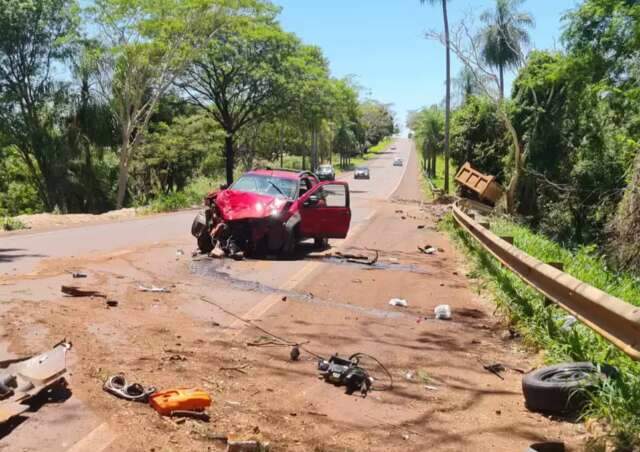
<point x="199" y="225"/>
<point x="290" y="244"/>
<point x="321" y="244"/>
<point x="205" y="244"/>
<point x="559" y="389"/>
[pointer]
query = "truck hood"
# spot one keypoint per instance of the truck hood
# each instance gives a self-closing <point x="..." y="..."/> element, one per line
<point x="241" y="205"/>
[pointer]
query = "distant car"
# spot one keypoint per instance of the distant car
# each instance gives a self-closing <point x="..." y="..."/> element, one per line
<point x="397" y="162"/>
<point x="326" y="172"/>
<point x="362" y="172"/>
<point x="393" y="148"/>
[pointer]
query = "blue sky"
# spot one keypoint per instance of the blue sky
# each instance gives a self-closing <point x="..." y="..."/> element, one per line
<point x="381" y="42"/>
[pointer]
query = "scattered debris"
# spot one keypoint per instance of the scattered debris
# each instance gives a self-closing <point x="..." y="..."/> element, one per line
<point x="495" y="369"/>
<point x="74" y="291"/>
<point x="409" y="375"/>
<point x="428" y="249"/>
<point x="431" y="388"/>
<point x="357" y="258"/>
<point x="442" y="312"/>
<point x="200" y="415"/>
<point x="421" y="226"/>
<point x="243" y="445"/>
<point x="179" y="253"/>
<point x="295" y="353"/>
<point x="170" y="400"/>
<point x="284" y="298"/>
<point x="399" y="302"/>
<point x="237" y="369"/>
<point x="547" y="447"/>
<point x="112" y="303"/>
<point x="347" y="372"/>
<point x="153" y="289"/>
<point x="177" y="357"/>
<point x="79" y="275"/>
<point x="134" y="392"/>
<point x="28" y="377"/>
<point x="568" y="322"/>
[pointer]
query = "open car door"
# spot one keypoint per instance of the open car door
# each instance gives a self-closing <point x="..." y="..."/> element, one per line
<point x="325" y="211"/>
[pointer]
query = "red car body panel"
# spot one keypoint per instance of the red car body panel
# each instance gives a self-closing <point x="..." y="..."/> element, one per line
<point x="241" y="205"/>
<point x="322" y="221"/>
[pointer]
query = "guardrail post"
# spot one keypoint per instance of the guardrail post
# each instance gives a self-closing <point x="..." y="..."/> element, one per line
<point x="559" y="266"/>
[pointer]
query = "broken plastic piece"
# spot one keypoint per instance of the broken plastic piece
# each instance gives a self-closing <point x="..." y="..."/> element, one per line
<point x="399" y="302"/>
<point x="28" y="378"/>
<point x="153" y="289"/>
<point x="442" y="312"/>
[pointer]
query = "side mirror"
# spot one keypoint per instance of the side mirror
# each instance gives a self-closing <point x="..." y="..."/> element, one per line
<point x="224" y="186"/>
<point x="312" y="201"/>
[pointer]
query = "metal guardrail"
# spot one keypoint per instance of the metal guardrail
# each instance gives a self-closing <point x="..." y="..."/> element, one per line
<point x="613" y="318"/>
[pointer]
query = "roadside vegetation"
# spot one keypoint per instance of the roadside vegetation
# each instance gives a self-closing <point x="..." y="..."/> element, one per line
<point x="132" y="103"/>
<point x="616" y="401"/>
<point x="564" y="144"/>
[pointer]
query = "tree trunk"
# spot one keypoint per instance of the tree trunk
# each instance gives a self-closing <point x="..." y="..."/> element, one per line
<point x="123" y="168"/>
<point x="228" y="154"/>
<point x="281" y="147"/>
<point x="501" y="68"/>
<point x="447" y="113"/>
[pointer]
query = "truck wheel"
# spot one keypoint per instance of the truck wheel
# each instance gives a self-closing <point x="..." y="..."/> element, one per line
<point x="559" y="389"/>
<point x="205" y="244"/>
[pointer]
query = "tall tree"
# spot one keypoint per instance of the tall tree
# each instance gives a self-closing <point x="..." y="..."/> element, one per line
<point x="145" y="46"/>
<point x="239" y="77"/>
<point x="447" y="111"/>
<point x="504" y="36"/>
<point x="35" y="37"/>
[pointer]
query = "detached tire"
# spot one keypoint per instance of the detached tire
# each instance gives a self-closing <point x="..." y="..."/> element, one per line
<point x="559" y="389"/>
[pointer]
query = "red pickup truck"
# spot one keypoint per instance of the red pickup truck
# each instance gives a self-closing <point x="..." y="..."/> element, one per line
<point x="270" y="211"/>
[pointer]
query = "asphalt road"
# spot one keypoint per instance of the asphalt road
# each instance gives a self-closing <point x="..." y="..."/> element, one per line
<point x="21" y="253"/>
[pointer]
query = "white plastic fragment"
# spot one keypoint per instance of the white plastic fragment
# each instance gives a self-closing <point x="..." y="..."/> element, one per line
<point x="442" y="312"/>
<point x="399" y="302"/>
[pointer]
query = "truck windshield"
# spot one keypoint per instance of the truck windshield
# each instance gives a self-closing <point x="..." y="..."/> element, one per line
<point x="266" y="185"/>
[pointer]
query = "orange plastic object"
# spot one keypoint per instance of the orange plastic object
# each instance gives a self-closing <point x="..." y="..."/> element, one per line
<point x="164" y="402"/>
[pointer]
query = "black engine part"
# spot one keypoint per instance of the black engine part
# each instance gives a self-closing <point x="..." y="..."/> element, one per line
<point x="346" y="372"/>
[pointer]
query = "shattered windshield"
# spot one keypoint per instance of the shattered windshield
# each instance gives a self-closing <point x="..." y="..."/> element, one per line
<point x="266" y="185"/>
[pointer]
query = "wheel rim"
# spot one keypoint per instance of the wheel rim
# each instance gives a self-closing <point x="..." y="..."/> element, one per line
<point x="568" y="375"/>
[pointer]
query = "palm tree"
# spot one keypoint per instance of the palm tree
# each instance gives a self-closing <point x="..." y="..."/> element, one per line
<point x="447" y="113"/>
<point x="504" y="36"/>
<point x="468" y="84"/>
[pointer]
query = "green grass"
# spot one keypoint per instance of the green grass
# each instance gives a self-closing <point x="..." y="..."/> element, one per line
<point x="12" y="224"/>
<point x="616" y="401"/>
<point x="191" y="196"/>
<point x="438" y="180"/>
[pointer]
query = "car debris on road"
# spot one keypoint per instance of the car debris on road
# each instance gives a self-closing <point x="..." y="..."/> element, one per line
<point x="118" y="386"/>
<point x="153" y="289"/>
<point x="399" y="302"/>
<point x="442" y="312"/>
<point x="25" y="379"/>
<point x="74" y="291"/>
